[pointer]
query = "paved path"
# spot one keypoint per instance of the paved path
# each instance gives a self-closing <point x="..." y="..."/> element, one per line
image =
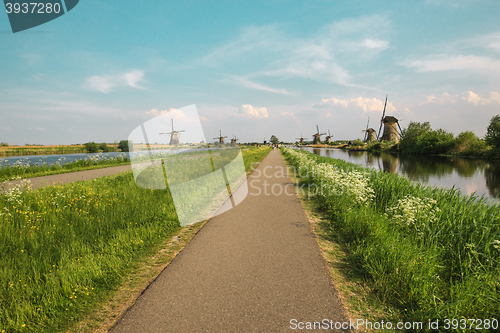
<point x="252" y="269"/>
<point x="69" y="177"/>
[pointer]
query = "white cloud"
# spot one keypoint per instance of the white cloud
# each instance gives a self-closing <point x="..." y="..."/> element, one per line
<point x="257" y="86"/>
<point x="249" y="111"/>
<point x="105" y="83"/>
<point x="367" y="105"/>
<point x="460" y="62"/>
<point x="172" y="113"/>
<point x="493" y="98"/>
<point x="290" y="115"/>
<point x="317" y="57"/>
<point x="100" y="83"/>
<point x="133" y="77"/>
<point x="375" y="44"/>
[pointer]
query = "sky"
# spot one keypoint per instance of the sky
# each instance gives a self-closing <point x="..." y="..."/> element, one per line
<point x="252" y="68"/>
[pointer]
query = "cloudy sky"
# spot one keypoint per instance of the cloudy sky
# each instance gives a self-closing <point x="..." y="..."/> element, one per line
<point x="254" y="68"/>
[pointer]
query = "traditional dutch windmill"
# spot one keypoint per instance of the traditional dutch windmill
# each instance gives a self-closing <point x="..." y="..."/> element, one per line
<point x="233" y="140"/>
<point x="370" y="135"/>
<point x="301" y="139"/>
<point x="391" y="126"/>
<point x="317" y="136"/>
<point x="221" y="138"/>
<point x="174" y="135"/>
<point x="328" y="137"/>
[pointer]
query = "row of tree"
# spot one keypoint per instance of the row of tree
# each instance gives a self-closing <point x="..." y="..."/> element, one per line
<point x="92" y="147"/>
<point x="420" y="138"/>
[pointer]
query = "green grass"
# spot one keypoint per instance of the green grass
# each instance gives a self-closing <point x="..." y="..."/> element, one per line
<point x="66" y="248"/>
<point x="41" y="150"/>
<point x="27" y="170"/>
<point x="254" y="155"/>
<point x="428" y="253"/>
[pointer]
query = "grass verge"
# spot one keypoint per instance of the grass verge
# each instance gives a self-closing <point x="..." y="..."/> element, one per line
<point x="426" y="253"/>
<point x="359" y="300"/>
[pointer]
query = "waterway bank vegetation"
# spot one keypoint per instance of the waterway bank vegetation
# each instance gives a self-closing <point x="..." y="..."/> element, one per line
<point x="26" y="169"/>
<point x="37" y="149"/>
<point x="67" y="249"/>
<point x="420" y="138"/>
<point x="425" y="252"/>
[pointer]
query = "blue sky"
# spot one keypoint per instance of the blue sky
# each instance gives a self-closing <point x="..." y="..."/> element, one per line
<point x="253" y="68"/>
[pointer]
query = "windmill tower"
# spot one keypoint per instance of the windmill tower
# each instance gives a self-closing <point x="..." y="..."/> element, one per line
<point x="174" y="135"/>
<point x="301" y="139"/>
<point x="391" y="126"/>
<point x="221" y="138"/>
<point x="317" y="136"/>
<point x="233" y="140"/>
<point x="370" y="134"/>
<point x="328" y="137"/>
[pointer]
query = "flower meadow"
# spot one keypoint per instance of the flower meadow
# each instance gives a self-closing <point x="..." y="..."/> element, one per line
<point x="426" y="252"/>
<point x="65" y="247"/>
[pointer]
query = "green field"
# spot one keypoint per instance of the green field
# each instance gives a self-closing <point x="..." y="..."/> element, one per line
<point x="427" y="253"/>
<point x="66" y="248"/>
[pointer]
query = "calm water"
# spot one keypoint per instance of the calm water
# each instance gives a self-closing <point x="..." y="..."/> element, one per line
<point x="51" y="159"/>
<point x="468" y="175"/>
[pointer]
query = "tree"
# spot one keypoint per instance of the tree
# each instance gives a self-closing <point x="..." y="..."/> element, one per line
<point x="92" y="147"/>
<point x="123" y="145"/>
<point x="493" y="133"/>
<point x="104" y="147"/>
<point x="274" y="140"/>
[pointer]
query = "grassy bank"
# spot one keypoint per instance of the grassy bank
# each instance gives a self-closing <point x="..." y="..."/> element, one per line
<point x="41" y="150"/>
<point x="66" y="249"/>
<point x="254" y="155"/>
<point x="427" y="253"/>
<point x="23" y="169"/>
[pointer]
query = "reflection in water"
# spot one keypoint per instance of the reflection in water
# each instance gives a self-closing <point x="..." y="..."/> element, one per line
<point x="492" y="173"/>
<point x="468" y="175"/>
<point x="390" y="163"/>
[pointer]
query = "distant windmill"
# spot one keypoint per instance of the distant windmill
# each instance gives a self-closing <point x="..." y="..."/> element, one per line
<point x="391" y="126"/>
<point x="221" y="138"/>
<point x="370" y="135"/>
<point x="317" y="136"/>
<point x="174" y="135"/>
<point x="328" y="137"/>
<point x="301" y="139"/>
<point x="233" y="140"/>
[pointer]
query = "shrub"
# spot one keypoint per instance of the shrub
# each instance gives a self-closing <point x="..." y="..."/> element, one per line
<point x="493" y="133"/>
<point x="92" y="147"/>
<point x="123" y="145"/>
<point x="358" y="142"/>
<point x="104" y="147"/>
<point x="4" y="144"/>
<point x="419" y="138"/>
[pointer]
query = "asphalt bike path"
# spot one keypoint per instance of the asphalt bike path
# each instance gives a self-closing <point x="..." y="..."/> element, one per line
<point x="254" y="268"/>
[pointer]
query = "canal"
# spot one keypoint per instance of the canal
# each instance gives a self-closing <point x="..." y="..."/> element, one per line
<point x="468" y="175"/>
